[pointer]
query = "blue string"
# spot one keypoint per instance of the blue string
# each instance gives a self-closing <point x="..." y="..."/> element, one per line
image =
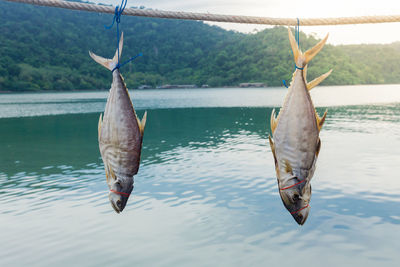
<point x="116" y="14"/>
<point x="297" y="37"/>
<point x="117" y="18"/>
<point x="129" y="60"/>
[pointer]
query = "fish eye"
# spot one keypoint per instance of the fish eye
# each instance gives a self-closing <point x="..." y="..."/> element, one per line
<point x="296" y="197"/>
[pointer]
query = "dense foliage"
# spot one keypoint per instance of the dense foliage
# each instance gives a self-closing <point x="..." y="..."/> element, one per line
<point x="45" y="48"/>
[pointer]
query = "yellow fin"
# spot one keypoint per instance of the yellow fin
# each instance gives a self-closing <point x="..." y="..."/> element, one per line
<point x="111" y="172"/>
<point x="318" y="80"/>
<point x="318" y="147"/>
<point x="293" y="44"/>
<point x="305" y="74"/>
<point x="272" y="145"/>
<point x="106" y="174"/>
<point x="100" y="122"/>
<point x="312" y="52"/>
<point x="274" y="121"/>
<point x="142" y="123"/>
<point x="320" y="121"/>
<point x="288" y="167"/>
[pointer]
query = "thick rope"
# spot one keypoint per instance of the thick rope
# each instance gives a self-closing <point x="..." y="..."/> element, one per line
<point x="213" y="17"/>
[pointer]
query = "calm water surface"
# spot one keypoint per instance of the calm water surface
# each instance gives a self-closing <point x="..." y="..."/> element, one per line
<point x="206" y="192"/>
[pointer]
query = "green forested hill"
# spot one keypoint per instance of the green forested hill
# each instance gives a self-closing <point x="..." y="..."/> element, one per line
<point x="45" y="48"/>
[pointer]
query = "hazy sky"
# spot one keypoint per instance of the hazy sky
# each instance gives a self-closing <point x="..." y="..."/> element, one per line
<point x="352" y="34"/>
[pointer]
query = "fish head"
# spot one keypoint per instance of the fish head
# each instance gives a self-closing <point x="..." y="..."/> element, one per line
<point x="296" y="199"/>
<point x="120" y="190"/>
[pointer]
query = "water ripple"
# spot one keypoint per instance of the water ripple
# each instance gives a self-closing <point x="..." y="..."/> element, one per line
<point x="206" y="190"/>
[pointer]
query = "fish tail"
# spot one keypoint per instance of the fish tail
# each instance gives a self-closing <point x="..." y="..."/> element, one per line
<point x="306" y="58"/>
<point x="106" y="62"/>
<point x="295" y="47"/>
<point x="312" y="52"/>
<point x="309" y="54"/>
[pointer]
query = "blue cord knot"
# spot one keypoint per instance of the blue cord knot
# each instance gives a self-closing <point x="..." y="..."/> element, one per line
<point x="117" y="18"/>
<point x="117" y="14"/>
<point x="127" y="61"/>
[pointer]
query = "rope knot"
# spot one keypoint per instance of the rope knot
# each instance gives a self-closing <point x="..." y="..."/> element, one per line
<point x="117" y="14"/>
<point x="117" y="18"/>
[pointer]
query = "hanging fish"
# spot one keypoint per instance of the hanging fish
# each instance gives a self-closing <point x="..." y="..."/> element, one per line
<point x="120" y="135"/>
<point x="296" y="143"/>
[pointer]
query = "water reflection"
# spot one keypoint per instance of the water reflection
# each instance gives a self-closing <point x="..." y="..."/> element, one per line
<point x="206" y="188"/>
<point x="200" y="145"/>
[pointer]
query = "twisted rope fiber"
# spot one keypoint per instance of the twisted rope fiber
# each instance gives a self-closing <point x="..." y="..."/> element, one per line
<point x="213" y="17"/>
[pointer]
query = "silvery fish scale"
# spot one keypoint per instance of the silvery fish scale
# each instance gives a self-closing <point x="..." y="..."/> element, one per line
<point x="296" y="144"/>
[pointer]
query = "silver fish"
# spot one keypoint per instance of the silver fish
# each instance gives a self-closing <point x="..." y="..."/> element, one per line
<point x="296" y="143"/>
<point x="120" y="136"/>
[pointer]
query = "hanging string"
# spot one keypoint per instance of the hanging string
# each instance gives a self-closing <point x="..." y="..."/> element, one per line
<point x="297" y="37"/>
<point x="117" y="18"/>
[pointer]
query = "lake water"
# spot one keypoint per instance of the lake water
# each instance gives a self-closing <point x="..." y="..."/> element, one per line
<point x="206" y="193"/>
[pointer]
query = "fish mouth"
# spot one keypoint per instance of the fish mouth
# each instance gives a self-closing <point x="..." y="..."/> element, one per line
<point x="118" y="201"/>
<point x="301" y="215"/>
<point x="115" y="207"/>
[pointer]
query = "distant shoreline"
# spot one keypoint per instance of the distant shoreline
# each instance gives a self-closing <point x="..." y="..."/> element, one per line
<point x="166" y="89"/>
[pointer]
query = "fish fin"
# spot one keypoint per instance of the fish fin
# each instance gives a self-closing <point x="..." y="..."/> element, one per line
<point x="106" y="174"/>
<point x="106" y="62"/>
<point x="312" y="52"/>
<point x="320" y="121"/>
<point x="142" y="123"/>
<point x="305" y="74"/>
<point x="99" y="125"/>
<point x="288" y="167"/>
<point x="274" y="121"/>
<point x="318" y="147"/>
<point x="111" y="172"/>
<point x="318" y="80"/>
<point x="272" y="145"/>
<point x="293" y="44"/>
